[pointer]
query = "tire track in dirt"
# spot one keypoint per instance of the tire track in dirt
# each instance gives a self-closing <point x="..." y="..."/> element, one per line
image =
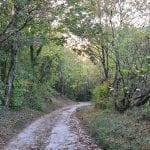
<point x="53" y="132"/>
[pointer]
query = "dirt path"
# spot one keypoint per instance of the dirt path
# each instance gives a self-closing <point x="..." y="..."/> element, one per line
<point x="59" y="130"/>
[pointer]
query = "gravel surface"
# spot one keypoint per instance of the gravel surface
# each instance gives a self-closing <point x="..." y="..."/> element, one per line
<point x="59" y="130"/>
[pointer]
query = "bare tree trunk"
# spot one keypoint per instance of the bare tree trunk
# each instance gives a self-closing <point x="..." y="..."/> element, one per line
<point x="3" y="65"/>
<point x="62" y="85"/>
<point x="104" y="62"/>
<point x="10" y="76"/>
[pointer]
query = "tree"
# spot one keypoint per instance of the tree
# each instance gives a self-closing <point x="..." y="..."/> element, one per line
<point x="100" y="19"/>
<point x="18" y="15"/>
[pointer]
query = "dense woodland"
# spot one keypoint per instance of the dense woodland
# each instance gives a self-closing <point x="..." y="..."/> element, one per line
<point x="84" y="50"/>
<point x="54" y="51"/>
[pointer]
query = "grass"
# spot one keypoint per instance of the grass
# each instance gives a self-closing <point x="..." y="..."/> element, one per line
<point x="114" y="131"/>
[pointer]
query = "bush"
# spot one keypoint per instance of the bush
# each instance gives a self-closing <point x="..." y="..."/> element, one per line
<point x="39" y="97"/>
<point x="140" y="113"/>
<point x="119" y="133"/>
<point x="18" y="94"/>
<point x="114" y="131"/>
<point x="38" y="104"/>
<point x="100" y="96"/>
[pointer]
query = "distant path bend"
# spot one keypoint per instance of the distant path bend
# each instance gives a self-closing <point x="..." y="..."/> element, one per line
<point x="59" y="130"/>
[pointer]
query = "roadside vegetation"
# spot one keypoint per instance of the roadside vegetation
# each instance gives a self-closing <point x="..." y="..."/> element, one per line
<point x="114" y="131"/>
<point x="83" y="50"/>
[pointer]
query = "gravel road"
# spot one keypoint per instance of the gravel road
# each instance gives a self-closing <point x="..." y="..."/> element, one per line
<point x="59" y="130"/>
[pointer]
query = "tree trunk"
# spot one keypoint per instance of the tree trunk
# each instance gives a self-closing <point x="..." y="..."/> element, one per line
<point x="104" y="62"/>
<point x="10" y="76"/>
<point x="3" y="65"/>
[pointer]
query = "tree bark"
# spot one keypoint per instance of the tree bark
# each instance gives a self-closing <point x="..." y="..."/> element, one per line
<point x="3" y="65"/>
<point x="10" y="76"/>
<point x="104" y="62"/>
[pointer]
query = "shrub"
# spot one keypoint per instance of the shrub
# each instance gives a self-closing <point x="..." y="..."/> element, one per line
<point x="100" y="95"/>
<point x="18" y="94"/>
<point x="39" y="97"/>
<point x="114" y="131"/>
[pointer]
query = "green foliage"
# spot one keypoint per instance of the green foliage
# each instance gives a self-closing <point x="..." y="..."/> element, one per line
<point x="18" y="94"/>
<point x="44" y="65"/>
<point x="114" y="131"/>
<point x="74" y="75"/>
<point x="39" y="97"/>
<point x="140" y="113"/>
<point x="126" y="72"/>
<point x="16" y="102"/>
<point x="101" y="96"/>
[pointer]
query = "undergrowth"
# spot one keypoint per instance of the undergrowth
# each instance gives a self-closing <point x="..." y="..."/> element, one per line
<point x="114" y="131"/>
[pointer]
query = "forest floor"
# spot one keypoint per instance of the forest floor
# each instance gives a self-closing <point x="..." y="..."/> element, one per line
<point x="58" y="130"/>
<point x="115" y="131"/>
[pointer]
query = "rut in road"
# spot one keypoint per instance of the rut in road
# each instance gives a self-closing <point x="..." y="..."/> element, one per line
<point x="59" y="130"/>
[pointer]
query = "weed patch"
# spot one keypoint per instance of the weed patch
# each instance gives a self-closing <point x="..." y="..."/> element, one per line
<point x="114" y="131"/>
